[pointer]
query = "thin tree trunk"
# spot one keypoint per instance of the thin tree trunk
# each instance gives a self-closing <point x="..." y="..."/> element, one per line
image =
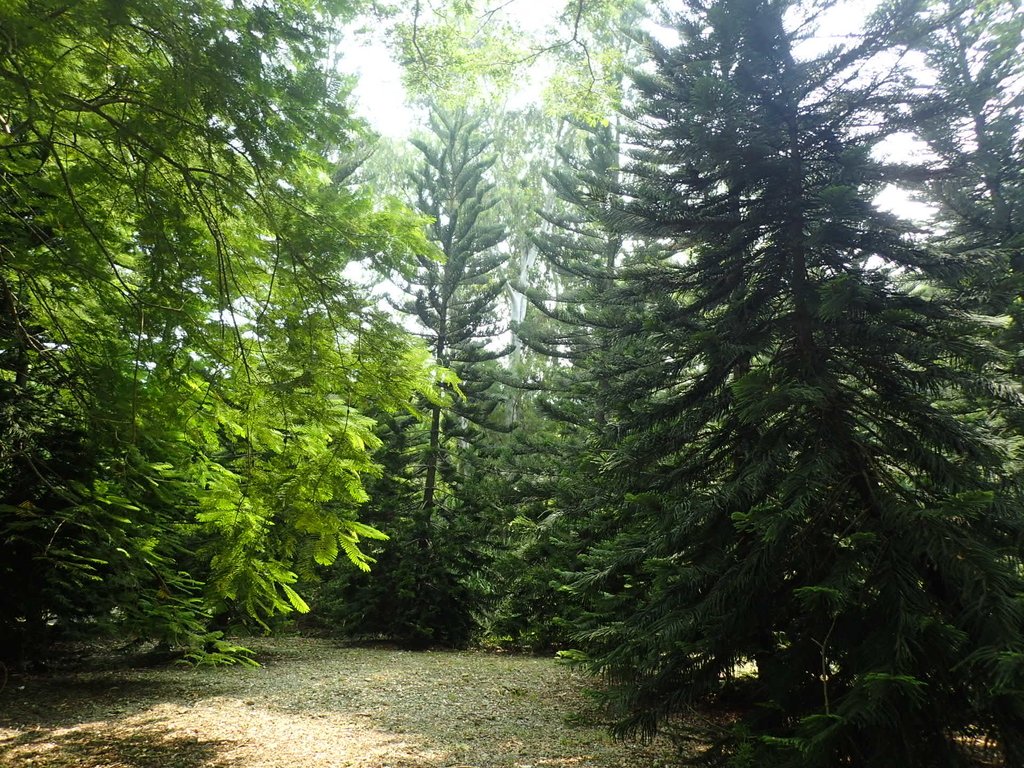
<point x="433" y="455"/>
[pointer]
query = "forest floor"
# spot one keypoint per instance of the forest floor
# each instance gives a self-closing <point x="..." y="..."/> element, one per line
<point x="314" y="704"/>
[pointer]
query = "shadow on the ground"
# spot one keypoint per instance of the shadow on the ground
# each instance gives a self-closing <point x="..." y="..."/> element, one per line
<point x="63" y="720"/>
<point x="152" y="747"/>
<point x="65" y="700"/>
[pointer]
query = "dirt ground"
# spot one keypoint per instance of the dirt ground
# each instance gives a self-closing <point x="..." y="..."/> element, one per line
<point x="315" y="705"/>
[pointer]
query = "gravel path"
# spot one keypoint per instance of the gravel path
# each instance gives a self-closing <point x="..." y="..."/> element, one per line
<point x="315" y="705"/>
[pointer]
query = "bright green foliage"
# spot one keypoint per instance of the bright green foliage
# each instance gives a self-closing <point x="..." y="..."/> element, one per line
<point x="184" y="371"/>
<point x="452" y="52"/>
<point x="595" y="47"/>
<point x="813" y="529"/>
<point x="458" y="53"/>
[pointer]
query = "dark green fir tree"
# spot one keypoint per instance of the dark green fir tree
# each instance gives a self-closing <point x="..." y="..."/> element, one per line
<point x="967" y="109"/>
<point x="814" y="529"/>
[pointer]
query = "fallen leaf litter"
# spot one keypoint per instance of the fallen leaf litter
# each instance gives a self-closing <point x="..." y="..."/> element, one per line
<point x="316" y="705"/>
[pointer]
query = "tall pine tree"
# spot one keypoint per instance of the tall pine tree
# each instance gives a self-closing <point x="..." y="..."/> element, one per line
<point x="812" y="525"/>
<point x="967" y="107"/>
<point x="564" y="330"/>
<point x="421" y="593"/>
<point x="455" y="300"/>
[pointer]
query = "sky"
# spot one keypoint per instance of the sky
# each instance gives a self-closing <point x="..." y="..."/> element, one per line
<point x="379" y="95"/>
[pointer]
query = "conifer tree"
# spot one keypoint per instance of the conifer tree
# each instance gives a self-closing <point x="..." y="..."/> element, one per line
<point x="456" y="302"/>
<point x="969" y="111"/>
<point x="810" y="529"/>
<point x="419" y="593"/>
<point x="455" y="299"/>
<point x="968" y="107"/>
<point x="570" y="311"/>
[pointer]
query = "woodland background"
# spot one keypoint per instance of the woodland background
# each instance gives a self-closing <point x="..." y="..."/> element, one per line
<point x="640" y="371"/>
